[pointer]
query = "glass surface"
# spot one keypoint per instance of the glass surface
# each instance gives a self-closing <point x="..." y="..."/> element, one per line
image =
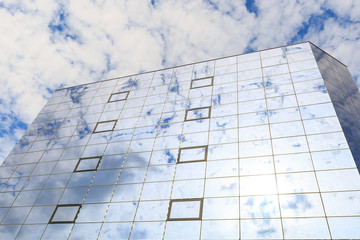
<point x="221" y="187"/>
<point x="290" y="145"/>
<point x="251" y="119"/>
<point x="127" y="211"/>
<point x="198" y="83"/>
<point x="9" y="231"/>
<point x="248" y="65"/>
<point x="281" y="102"/>
<point x="193" y="114"/>
<point x="344" y="227"/>
<point x="147" y="230"/>
<point x="188" y="189"/>
<point x="254" y="133"/>
<point x="337" y="180"/>
<point x="249" y="74"/>
<point x="254" y="166"/>
<point x="276" y="60"/>
<point x="152" y="210"/>
<point x="221" y="208"/>
<point x="36" y="182"/>
<point x="347" y="201"/>
<point x="30" y="232"/>
<point x="105" y="177"/>
<point x="259" y="207"/>
<point x="222" y="168"/>
<point x="49" y="196"/>
<point x="175" y="230"/>
<point x="132" y="175"/>
<point x="255" y="148"/>
<point x="294" y="162"/>
<point x="92" y="213"/>
<point x="192" y="154"/>
<point x="335" y="159"/>
<point x="301" y="205"/>
<point x="159" y="190"/>
<point x="105" y="126"/>
<point x="223" y="151"/>
<point x="16" y="215"/>
<point x="261" y="229"/>
<point x="251" y="90"/>
<point x="87" y="164"/>
<point x="115" y="230"/>
<point x="44" y="168"/>
<point x="65" y="213"/>
<point x="73" y="195"/>
<point x="262" y="145"/>
<point x="40" y="214"/>
<point x="118" y="96"/>
<point x="79" y="179"/>
<point x="258" y="185"/>
<point x="26" y="198"/>
<point x="185" y="209"/>
<point x="57" y="231"/>
<point x="306" y="228"/>
<point x="284" y="115"/>
<point x="297" y="182"/>
<point x="221" y="229"/>
<point x="90" y="230"/>
<point x="287" y="129"/>
<point x="58" y="181"/>
<point x="223" y="123"/>
<point x="98" y="194"/>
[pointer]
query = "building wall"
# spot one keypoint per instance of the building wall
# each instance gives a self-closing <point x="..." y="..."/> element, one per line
<point x="345" y="97"/>
<point x="248" y="147"/>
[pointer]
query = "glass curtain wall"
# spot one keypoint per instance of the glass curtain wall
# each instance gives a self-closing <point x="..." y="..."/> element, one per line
<point x="243" y="147"/>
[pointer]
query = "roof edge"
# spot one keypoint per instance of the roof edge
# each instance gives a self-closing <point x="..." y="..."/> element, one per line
<point x="328" y="54"/>
<point x="213" y="59"/>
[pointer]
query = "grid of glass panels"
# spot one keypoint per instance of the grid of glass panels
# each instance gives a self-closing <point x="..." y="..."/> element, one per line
<point x="244" y="147"/>
<point x="345" y="97"/>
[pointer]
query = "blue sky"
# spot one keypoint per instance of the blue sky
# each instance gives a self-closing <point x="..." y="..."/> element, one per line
<point x="48" y="44"/>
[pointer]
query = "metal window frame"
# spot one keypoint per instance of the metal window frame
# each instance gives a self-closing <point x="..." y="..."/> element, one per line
<point x="127" y="95"/>
<point x="201" y="200"/>
<point x="97" y="124"/>
<point x="198" y="79"/>
<point x="194" y="119"/>
<point x="88" y="170"/>
<point x="65" y="205"/>
<point x="185" y="148"/>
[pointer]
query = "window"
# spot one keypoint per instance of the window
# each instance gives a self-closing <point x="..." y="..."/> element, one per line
<point x="185" y="209"/>
<point x="87" y="164"/>
<point x="105" y="126"/>
<point x="66" y="213"/>
<point x="120" y="96"/>
<point x="192" y="154"/>
<point x="202" y="82"/>
<point x="197" y="113"/>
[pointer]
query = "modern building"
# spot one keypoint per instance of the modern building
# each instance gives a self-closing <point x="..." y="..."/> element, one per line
<point x="264" y="145"/>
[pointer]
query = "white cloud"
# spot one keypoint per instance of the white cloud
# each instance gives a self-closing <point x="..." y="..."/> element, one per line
<point x="345" y="8"/>
<point x="114" y="38"/>
<point x="341" y="40"/>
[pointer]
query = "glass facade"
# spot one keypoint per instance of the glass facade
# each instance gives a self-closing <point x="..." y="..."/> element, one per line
<point x="262" y="145"/>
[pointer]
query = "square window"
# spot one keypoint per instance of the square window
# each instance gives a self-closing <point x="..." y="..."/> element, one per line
<point x="185" y="209"/>
<point x="87" y="164"/>
<point x="105" y="126"/>
<point x="65" y="213"/>
<point x="119" y="96"/>
<point x="192" y="154"/>
<point x="197" y="113"/>
<point x="202" y="82"/>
